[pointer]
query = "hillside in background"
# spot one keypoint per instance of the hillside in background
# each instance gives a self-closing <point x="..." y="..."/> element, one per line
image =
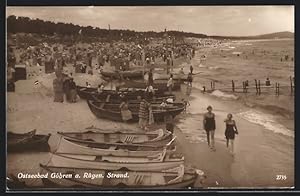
<point x="277" y="35"/>
<point x="37" y="26"/>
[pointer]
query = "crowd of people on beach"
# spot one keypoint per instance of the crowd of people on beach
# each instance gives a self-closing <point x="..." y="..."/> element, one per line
<point x="122" y="56"/>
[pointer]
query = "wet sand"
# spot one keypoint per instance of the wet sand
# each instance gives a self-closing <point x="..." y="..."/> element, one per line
<point x="260" y="154"/>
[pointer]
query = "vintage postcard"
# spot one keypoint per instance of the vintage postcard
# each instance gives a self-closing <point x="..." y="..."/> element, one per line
<point x="150" y="97"/>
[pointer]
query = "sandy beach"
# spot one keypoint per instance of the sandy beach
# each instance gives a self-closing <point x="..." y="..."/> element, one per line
<point x="264" y="147"/>
<point x="260" y="153"/>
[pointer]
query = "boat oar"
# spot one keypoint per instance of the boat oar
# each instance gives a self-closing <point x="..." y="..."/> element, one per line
<point x="170" y="142"/>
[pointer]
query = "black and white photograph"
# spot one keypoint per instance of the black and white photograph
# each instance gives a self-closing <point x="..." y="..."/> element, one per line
<point x="150" y="97"/>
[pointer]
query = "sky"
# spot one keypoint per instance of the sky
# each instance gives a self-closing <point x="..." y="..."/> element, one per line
<point x="210" y="20"/>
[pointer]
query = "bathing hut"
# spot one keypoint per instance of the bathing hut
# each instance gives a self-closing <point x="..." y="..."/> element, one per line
<point x="20" y="72"/>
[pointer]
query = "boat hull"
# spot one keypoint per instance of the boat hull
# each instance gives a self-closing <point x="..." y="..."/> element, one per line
<point x="152" y="180"/>
<point x="124" y="74"/>
<point x="27" y="142"/>
<point x="107" y="111"/>
<point x="159" y="137"/>
<point x="130" y="94"/>
<point x="69" y="146"/>
<point x="64" y="160"/>
<point x="161" y="85"/>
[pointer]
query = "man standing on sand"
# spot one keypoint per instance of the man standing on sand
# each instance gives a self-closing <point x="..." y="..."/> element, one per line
<point x="170" y="84"/>
<point x="209" y="125"/>
<point x="58" y="90"/>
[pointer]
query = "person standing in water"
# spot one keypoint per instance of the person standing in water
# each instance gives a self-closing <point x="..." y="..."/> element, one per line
<point x="209" y="125"/>
<point x="230" y="132"/>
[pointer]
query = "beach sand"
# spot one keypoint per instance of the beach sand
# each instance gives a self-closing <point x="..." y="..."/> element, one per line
<point x="260" y="154"/>
<point x="264" y="147"/>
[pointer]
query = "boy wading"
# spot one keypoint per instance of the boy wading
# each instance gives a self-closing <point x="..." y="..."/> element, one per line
<point x="209" y="125"/>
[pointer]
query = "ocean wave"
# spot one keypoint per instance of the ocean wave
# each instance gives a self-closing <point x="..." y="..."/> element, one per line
<point x="265" y="120"/>
<point x="215" y="68"/>
<point x="220" y="94"/>
<point x="200" y="65"/>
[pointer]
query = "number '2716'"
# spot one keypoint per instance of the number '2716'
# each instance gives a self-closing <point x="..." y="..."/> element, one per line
<point x="281" y="177"/>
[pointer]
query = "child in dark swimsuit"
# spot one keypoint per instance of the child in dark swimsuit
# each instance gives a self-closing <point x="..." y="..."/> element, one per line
<point x="230" y="132"/>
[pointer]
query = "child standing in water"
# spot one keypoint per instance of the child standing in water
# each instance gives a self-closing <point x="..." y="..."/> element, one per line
<point x="230" y="132"/>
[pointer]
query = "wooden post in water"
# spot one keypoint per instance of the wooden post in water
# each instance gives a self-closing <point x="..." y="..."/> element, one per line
<point x="277" y="88"/>
<point x="259" y="91"/>
<point x="256" y="86"/>
<point x="212" y="85"/>
<point x="233" y="87"/>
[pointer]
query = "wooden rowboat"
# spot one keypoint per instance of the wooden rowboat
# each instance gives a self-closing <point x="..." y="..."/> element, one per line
<point x="159" y="137"/>
<point x="176" y="76"/>
<point x="67" y="145"/>
<point x="112" y="111"/>
<point x="153" y="163"/>
<point x="131" y="74"/>
<point x="161" y="85"/>
<point x="129" y="93"/>
<point x="131" y="147"/>
<point x="99" y="178"/>
<point x="27" y="142"/>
